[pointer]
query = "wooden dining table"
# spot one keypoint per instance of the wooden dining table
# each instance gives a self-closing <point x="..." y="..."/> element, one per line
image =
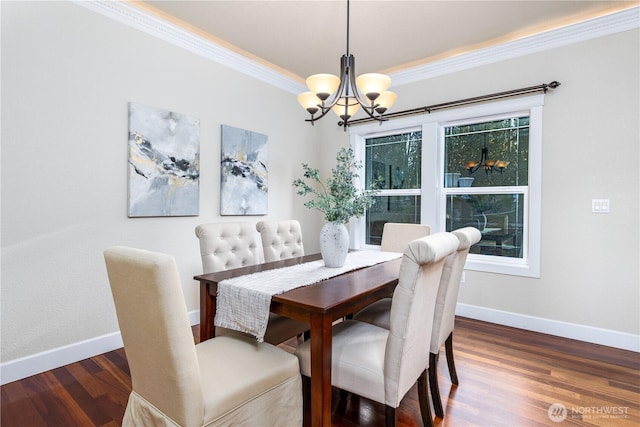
<point x="319" y="304"/>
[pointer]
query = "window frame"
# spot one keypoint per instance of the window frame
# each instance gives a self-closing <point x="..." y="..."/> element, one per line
<point x="387" y="192"/>
<point x="433" y="213"/>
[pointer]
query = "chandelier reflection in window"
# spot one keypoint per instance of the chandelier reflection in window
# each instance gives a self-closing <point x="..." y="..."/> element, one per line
<point x="489" y="165"/>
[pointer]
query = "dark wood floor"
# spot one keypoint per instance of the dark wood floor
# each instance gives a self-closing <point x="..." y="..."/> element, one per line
<point x="508" y="377"/>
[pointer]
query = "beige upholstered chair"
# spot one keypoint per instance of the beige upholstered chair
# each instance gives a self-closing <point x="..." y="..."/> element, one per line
<point x="396" y="236"/>
<point x="228" y="245"/>
<point x="280" y="239"/>
<point x="378" y="313"/>
<point x="444" y="320"/>
<point x="227" y="380"/>
<point x="383" y="364"/>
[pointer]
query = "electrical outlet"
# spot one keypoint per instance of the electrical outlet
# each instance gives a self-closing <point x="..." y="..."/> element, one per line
<point x="600" y="206"/>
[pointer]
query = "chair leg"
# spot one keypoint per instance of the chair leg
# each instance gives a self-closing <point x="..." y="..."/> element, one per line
<point x="389" y="416"/>
<point x="423" y="398"/>
<point x="306" y="400"/>
<point x="433" y="384"/>
<point x="448" y="346"/>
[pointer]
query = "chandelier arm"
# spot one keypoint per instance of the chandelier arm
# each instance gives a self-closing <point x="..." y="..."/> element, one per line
<point x="369" y="109"/>
<point x="356" y="93"/>
<point x="316" y="118"/>
<point x="325" y="107"/>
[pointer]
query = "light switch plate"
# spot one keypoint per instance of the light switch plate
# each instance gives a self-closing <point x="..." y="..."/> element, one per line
<point x="600" y="206"/>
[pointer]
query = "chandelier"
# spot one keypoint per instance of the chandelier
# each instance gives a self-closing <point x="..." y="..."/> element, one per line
<point x="343" y="94"/>
<point x="485" y="163"/>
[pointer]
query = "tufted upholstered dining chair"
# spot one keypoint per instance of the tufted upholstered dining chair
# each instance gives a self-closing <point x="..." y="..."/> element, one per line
<point x="383" y="364"/>
<point x="228" y="245"/>
<point x="227" y="380"/>
<point x="280" y="239"/>
<point x="396" y="236"/>
<point x="378" y="313"/>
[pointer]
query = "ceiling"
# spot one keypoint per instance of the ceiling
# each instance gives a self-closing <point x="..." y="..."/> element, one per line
<point x="304" y="37"/>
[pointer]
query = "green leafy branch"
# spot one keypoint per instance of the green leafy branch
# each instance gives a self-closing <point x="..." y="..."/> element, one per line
<point x="339" y="199"/>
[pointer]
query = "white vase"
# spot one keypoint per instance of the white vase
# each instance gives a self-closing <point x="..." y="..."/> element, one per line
<point x="334" y="244"/>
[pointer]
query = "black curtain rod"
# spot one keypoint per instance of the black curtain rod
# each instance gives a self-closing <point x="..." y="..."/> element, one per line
<point x="430" y="108"/>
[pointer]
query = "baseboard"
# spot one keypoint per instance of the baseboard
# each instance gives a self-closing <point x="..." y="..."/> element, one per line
<point x="31" y="365"/>
<point x="17" y="369"/>
<point x="574" y="331"/>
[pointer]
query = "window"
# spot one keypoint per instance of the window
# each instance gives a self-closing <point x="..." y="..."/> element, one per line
<point x="485" y="182"/>
<point x="477" y="166"/>
<point x="392" y="166"/>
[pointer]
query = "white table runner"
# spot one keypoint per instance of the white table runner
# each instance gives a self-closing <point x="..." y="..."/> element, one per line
<point x="243" y="302"/>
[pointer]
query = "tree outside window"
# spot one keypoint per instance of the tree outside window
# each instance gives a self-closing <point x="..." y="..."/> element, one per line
<point x="393" y="166"/>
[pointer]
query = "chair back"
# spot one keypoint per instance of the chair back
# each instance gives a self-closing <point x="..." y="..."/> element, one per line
<point x="445" y="312"/>
<point x="412" y="308"/>
<point x="280" y="239"/>
<point x="155" y="329"/>
<point x="228" y="245"/>
<point x="396" y="236"/>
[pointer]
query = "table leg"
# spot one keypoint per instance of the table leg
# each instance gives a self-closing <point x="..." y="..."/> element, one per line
<point x="321" y="370"/>
<point x="207" y="312"/>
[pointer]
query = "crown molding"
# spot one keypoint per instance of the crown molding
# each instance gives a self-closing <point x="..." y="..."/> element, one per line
<point x="617" y="22"/>
<point x="136" y="18"/>
<point x="133" y="17"/>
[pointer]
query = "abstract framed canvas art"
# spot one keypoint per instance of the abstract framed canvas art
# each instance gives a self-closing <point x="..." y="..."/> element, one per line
<point x="243" y="172"/>
<point x="164" y="163"/>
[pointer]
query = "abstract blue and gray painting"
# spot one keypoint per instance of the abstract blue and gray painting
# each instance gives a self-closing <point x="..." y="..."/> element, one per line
<point x="164" y="163"/>
<point x="244" y="173"/>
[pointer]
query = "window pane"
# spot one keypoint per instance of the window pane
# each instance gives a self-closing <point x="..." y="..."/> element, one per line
<point x="498" y="217"/>
<point x="390" y="209"/>
<point x="393" y="162"/>
<point x="501" y="143"/>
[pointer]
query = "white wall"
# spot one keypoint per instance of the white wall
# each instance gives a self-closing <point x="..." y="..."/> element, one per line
<point x="67" y="76"/>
